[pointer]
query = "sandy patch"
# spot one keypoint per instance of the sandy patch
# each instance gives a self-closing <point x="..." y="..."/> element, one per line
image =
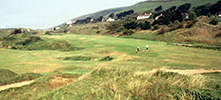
<point x="20" y="84"/>
<point x="60" y="80"/>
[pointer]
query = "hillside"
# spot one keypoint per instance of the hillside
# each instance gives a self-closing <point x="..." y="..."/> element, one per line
<point x="98" y="14"/>
<point x="147" y="5"/>
<point x="144" y="6"/>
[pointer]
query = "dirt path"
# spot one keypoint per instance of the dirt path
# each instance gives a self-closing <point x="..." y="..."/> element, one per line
<point x="20" y="84"/>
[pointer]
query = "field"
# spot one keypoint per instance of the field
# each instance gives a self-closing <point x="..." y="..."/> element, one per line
<point x="108" y="68"/>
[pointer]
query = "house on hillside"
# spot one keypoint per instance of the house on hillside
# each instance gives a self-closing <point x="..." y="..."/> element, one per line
<point x="92" y="20"/>
<point x="145" y="16"/>
<point x="69" y="23"/>
<point x="186" y="15"/>
<point x="220" y="14"/>
<point x="110" y="19"/>
<point x="156" y="18"/>
<point x="57" y="28"/>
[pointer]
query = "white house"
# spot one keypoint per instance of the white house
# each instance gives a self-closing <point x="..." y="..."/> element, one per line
<point x="57" y="28"/>
<point x="69" y="23"/>
<point x="110" y="19"/>
<point x="220" y="14"/>
<point x="92" y="20"/>
<point x="145" y="16"/>
<point x="156" y="18"/>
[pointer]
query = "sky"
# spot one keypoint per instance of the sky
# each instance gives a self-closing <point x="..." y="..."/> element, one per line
<point x="43" y="14"/>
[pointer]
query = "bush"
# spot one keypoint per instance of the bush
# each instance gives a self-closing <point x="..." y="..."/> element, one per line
<point x="107" y="58"/>
<point x="128" y="32"/>
<point x="156" y="27"/>
<point x="192" y="16"/>
<point x="131" y="25"/>
<point x="48" y="33"/>
<point x="146" y="25"/>
<point x="121" y="29"/>
<point x="176" y="22"/>
<point x="214" y="21"/>
<point x="17" y="31"/>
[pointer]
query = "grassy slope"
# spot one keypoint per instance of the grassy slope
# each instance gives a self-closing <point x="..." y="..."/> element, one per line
<point x="123" y="51"/>
<point x="141" y="7"/>
<point x="98" y="47"/>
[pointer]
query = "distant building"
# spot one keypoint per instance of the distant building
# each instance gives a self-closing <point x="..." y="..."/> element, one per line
<point x="28" y="30"/>
<point x="92" y="20"/>
<point x="145" y="16"/>
<point x="156" y="18"/>
<point x="220" y="14"/>
<point x="69" y="23"/>
<point x="187" y="15"/>
<point x="57" y="28"/>
<point x="110" y="19"/>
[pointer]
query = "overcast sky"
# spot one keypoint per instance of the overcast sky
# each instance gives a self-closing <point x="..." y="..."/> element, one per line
<point x="43" y="14"/>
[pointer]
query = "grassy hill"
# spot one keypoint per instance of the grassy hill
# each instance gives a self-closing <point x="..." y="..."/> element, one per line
<point x="143" y="6"/>
<point x="146" y="5"/>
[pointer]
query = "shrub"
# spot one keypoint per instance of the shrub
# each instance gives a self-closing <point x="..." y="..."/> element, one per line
<point x="155" y="27"/>
<point x="107" y="58"/>
<point x="121" y="29"/>
<point x="48" y="33"/>
<point x="192" y="16"/>
<point x="176" y="22"/>
<point x="146" y="25"/>
<point x="131" y="25"/>
<point x="17" y="31"/>
<point x="128" y="32"/>
<point x="214" y="21"/>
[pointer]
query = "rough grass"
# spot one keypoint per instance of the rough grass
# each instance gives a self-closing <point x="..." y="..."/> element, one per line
<point x="122" y="83"/>
<point x="8" y="77"/>
<point x="28" y="42"/>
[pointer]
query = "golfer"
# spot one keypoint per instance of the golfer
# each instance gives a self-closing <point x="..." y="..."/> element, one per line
<point x="138" y="49"/>
<point x="146" y="47"/>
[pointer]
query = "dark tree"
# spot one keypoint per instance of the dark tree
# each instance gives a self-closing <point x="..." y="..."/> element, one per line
<point x="192" y="16"/>
<point x="123" y="14"/>
<point x="184" y="8"/>
<point x="111" y="15"/>
<point x="178" y="16"/>
<point x="172" y="8"/>
<point x="144" y="26"/>
<point x="158" y="8"/>
<point x="216" y="8"/>
<point x="131" y="25"/>
<point x="100" y="19"/>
